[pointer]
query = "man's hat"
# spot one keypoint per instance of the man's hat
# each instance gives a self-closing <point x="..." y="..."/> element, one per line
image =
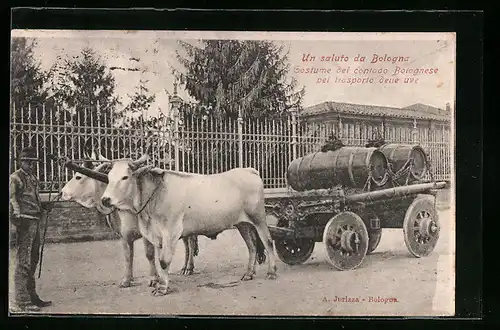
<point x="28" y="154"/>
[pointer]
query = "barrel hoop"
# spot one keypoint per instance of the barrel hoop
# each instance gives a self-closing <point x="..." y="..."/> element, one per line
<point x="367" y="160"/>
<point x="391" y="155"/>
<point x="349" y="167"/>
<point x="299" y="177"/>
<point x="311" y="161"/>
<point x="334" y="167"/>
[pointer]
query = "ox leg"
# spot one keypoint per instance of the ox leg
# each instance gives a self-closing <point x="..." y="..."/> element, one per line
<point x="150" y="255"/>
<point x="169" y="242"/>
<point x="189" y="249"/>
<point x="264" y="234"/>
<point x="128" y="252"/>
<point x="246" y="231"/>
<point x="192" y="243"/>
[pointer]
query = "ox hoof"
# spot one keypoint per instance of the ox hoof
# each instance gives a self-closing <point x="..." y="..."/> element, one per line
<point x="271" y="276"/>
<point x="187" y="271"/>
<point x="125" y="283"/>
<point x="160" y="290"/>
<point x="153" y="282"/>
<point x="247" y="277"/>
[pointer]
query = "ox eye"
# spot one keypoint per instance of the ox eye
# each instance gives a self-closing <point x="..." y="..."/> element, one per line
<point x="125" y="177"/>
<point x="78" y="177"/>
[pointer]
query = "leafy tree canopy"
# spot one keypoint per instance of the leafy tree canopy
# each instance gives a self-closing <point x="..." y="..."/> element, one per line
<point x="225" y="75"/>
<point x="140" y="103"/>
<point x="27" y="78"/>
<point x="84" y="86"/>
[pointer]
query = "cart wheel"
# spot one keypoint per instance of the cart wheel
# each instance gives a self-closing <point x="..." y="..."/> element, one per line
<point x="294" y="251"/>
<point x="346" y="241"/>
<point x="373" y="240"/>
<point x="421" y="227"/>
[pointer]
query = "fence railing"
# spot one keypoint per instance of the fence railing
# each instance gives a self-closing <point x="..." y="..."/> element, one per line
<point x="193" y="143"/>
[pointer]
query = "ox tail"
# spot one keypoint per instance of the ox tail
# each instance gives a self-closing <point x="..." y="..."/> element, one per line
<point x="261" y="251"/>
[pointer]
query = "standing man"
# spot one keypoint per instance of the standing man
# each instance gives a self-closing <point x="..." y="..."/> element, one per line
<point x="26" y="214"/>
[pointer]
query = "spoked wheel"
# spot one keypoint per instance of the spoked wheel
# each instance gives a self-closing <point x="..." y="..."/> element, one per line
<point x="374" y="238"/>
<point x="346" y="241"/>
<point x="294" y="251"/>
<point x="421" y="227"/>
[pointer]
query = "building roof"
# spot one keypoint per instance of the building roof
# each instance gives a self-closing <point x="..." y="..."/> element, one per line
<point x="415" y="111"/>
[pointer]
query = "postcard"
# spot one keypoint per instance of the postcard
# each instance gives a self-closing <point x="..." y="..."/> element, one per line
<point x="232" y="173"/>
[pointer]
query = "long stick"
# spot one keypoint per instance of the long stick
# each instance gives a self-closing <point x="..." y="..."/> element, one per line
<point x="47" y="225"/>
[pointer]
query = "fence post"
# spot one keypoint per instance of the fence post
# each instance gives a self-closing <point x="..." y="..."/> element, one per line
<point x="175" y="102"/>
<point x="240" y="138"/>
<point x="383" y="124"/>
<point x="294" y="132"/>
<point x="98" y="135"/>
<point x="414" y="131"/>
<point x="341" y="130"/>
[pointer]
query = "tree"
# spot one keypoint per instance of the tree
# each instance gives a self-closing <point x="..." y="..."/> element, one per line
<point x="85" y="87"/>
<point x="225" y="75"/>
<point x="27" y="78"/>
<point x="140" y="102"/>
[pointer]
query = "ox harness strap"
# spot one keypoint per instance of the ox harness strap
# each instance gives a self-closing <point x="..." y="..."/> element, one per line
<point x="149" y="199"/>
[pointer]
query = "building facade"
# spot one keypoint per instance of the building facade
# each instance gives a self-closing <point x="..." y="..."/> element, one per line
<point x="355" y="124"/>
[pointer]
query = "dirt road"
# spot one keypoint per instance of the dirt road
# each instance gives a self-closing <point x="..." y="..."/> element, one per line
<point x="84" y="277"/>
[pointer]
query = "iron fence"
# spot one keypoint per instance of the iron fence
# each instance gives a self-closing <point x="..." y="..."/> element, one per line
<point x="200" y="144"/>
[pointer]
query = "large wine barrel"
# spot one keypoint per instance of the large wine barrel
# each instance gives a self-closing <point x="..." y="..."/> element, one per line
<point x="399" y="154"/>
<point x="349" y="166"/>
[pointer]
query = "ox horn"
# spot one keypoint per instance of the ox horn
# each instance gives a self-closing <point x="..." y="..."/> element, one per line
<point x="143" y="158"/>
<point x="87" y="163"/>
<point x="143" y="169"/>
<point x="105" y="167"/>
<point x="101" y="157"/>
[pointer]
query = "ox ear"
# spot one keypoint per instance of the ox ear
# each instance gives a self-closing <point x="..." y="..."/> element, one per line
<point x="136" y="164"/>
<point x="104" y="168"/>
<point x="142" y="170"/>
<point x="157" y="171"/>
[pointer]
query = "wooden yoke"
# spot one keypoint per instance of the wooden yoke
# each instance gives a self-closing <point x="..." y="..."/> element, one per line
<point x="88" y="172"/>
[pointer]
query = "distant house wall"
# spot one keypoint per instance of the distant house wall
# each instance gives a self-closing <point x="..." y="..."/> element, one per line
<point x="392" y="123"/>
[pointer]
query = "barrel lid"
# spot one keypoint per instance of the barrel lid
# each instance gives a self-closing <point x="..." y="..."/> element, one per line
<point x="419" y="167"/>
<point x="378" y="163"/>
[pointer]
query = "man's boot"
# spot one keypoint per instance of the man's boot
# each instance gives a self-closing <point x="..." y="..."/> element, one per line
<point x="40" y="303"/>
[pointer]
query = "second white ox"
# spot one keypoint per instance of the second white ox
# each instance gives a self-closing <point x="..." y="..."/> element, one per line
<point x="171" y="205"/>
<point x="87" y="192"/>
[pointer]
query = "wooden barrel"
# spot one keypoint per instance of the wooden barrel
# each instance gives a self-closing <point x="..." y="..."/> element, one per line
<point x="399" y="154"/>
<point x="349" y="166"/>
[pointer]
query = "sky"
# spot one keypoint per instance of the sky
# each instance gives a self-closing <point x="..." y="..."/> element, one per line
<point x="156" y="53"/>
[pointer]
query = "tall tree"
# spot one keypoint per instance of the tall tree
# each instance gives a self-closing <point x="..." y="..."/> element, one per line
<point x="225" y="75"/>
<point x="140" y="102"/>
<point x="85" y="87"/>
<point x="27" y="78"/>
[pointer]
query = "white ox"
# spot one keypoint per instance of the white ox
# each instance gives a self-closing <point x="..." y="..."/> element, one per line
<point x="87" y="192"/>
<point x="174" y="204"/>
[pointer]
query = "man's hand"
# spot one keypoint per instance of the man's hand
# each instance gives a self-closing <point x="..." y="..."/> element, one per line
<point x="15" y="219"/>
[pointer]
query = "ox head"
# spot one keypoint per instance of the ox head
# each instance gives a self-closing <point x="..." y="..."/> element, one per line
<point x="122" y="186"/>
<point x="85" y="190"/>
